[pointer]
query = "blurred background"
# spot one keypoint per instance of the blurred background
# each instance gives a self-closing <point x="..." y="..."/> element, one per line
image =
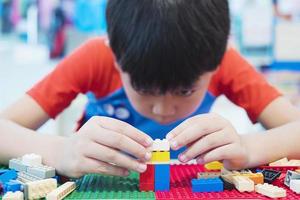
<point x="36" y="34"/>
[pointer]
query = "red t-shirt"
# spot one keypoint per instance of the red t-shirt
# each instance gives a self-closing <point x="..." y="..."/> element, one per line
<point x="91" y="69"/>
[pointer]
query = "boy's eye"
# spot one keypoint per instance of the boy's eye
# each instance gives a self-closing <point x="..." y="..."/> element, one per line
<point x="184" y="93"/>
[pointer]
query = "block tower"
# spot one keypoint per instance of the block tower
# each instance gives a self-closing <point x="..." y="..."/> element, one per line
<point x="157" y="175"/>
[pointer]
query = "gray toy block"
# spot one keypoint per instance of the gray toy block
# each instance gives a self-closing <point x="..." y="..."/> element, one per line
<point x="25" y="177"/>
<point x="43" y="172"/>
<point x="17" y="165"/>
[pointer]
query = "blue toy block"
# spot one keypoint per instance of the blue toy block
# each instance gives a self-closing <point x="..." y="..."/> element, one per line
<point x="162" y="177"/>
<point x="7" y="176"/>
<point x="207" y="185"/>
<point x="2" y="171"/>
<point x="12" y="186"/>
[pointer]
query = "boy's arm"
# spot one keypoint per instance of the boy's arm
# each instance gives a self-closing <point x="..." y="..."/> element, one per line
<point x="17" y="125"/>
<point x="26" y="112"/>
<point x="96" y="144"/>
<point x="281" y="140"/>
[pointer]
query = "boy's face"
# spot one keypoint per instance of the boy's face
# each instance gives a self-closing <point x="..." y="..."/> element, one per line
<point x="170" y="107"/>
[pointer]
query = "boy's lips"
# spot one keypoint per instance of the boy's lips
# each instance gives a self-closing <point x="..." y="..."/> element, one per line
<point x="164" y="120"/>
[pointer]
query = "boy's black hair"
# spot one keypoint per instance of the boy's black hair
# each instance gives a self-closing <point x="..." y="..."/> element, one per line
<point x="165" y="45"/>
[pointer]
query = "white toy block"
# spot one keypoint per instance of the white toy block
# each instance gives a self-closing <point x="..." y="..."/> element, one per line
<point x="42" y="171"/>
<point x="295" y="185"/>
<point x="281" y="162"/>
<point x="177" y="162"/>
<point x="290" y="175"/>
<point x="62" y="191"/>
<point x="243" y="183"/>
<point x="32" y="160"/>
<point x="13" y="196"/>
<point x="295" y="163"/>
<point x="160" y="145"/>
<point x="269" y="190"/>
<point x="39" y="189"/>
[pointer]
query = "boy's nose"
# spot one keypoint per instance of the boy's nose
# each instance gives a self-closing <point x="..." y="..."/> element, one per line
<point x="163" y="109"/>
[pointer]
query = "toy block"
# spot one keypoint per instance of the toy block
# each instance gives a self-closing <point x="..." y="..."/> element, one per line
<point x="2" y="171"/>
<point x="227" y="185"/>
<point x="146" y="187"/>
<point x="245" y="171"/>
<point x="42" y="171"/>
<point x="228" y="177"/>
<point x="13" y="196"/>
<point x="160" y="156"/>
<point x="25" y="177"/>
<point x="225" y="171"/>
<point x="207" y="185"/>
<point x="281" y="162"/>
<point x="216" y="165"/>
<point x="39" y="189"/>
<point x="270" y="175"/>
<point x="147" y="179"/>
<point x="32" y="160"/>
<point x="12" y="186"/>
<point x="257" y="178"/>
<point x="295" y="185"/>
<point x="295" y="163"/>
<point x="160" y="145"/>
<point x="289" y="176"/>
<point x="243" y="183"/>
<point x="7" y="176"/>
<point x="62" y="191"/>
<point x="17" y="165"/>
<point x="269" y="190"/>
<point x="162" y="177"/>
<point x="208" y="175"/>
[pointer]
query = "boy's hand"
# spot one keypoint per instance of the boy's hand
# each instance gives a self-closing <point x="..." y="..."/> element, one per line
<point x="99" y="147"/>
<point x="209" y="138"/>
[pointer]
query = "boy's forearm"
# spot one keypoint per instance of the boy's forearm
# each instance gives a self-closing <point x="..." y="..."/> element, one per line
<point x="17" y="141"/>
<point x="273" y="144"/>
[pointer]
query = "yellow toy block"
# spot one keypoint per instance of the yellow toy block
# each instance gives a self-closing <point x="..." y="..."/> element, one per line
<point x="160" y="156"/>
<point x="257" y="178"/>
<point x="216" y="165"/>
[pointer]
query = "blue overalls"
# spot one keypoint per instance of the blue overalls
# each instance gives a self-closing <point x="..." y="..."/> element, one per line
<point x="117" y="106"/>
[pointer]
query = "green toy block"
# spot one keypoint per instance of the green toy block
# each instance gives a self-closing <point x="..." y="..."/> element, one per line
<point x="109" y="187"/>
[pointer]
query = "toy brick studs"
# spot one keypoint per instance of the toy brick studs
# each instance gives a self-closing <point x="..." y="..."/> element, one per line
<point x="32" y="160"/>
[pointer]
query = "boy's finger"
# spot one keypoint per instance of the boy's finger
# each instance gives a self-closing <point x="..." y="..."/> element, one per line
<point x="122" y="142"/>
<point x="204" y="120"/>
<point x="125" y="129"/>
<point x="193" y="133"/>
<point x="207" y="143"/>
<point x="221" y="153"/>
<point x="92" y="166"/>
<point x="108" y="155"/>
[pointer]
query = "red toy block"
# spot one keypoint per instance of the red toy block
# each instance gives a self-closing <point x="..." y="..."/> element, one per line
<point x="145" y="187"/>
<point x="147" y="179"/>
<point x="180" y="187"/>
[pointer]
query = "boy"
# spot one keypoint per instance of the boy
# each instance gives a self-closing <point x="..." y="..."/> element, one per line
<point x="165" y="63"/>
